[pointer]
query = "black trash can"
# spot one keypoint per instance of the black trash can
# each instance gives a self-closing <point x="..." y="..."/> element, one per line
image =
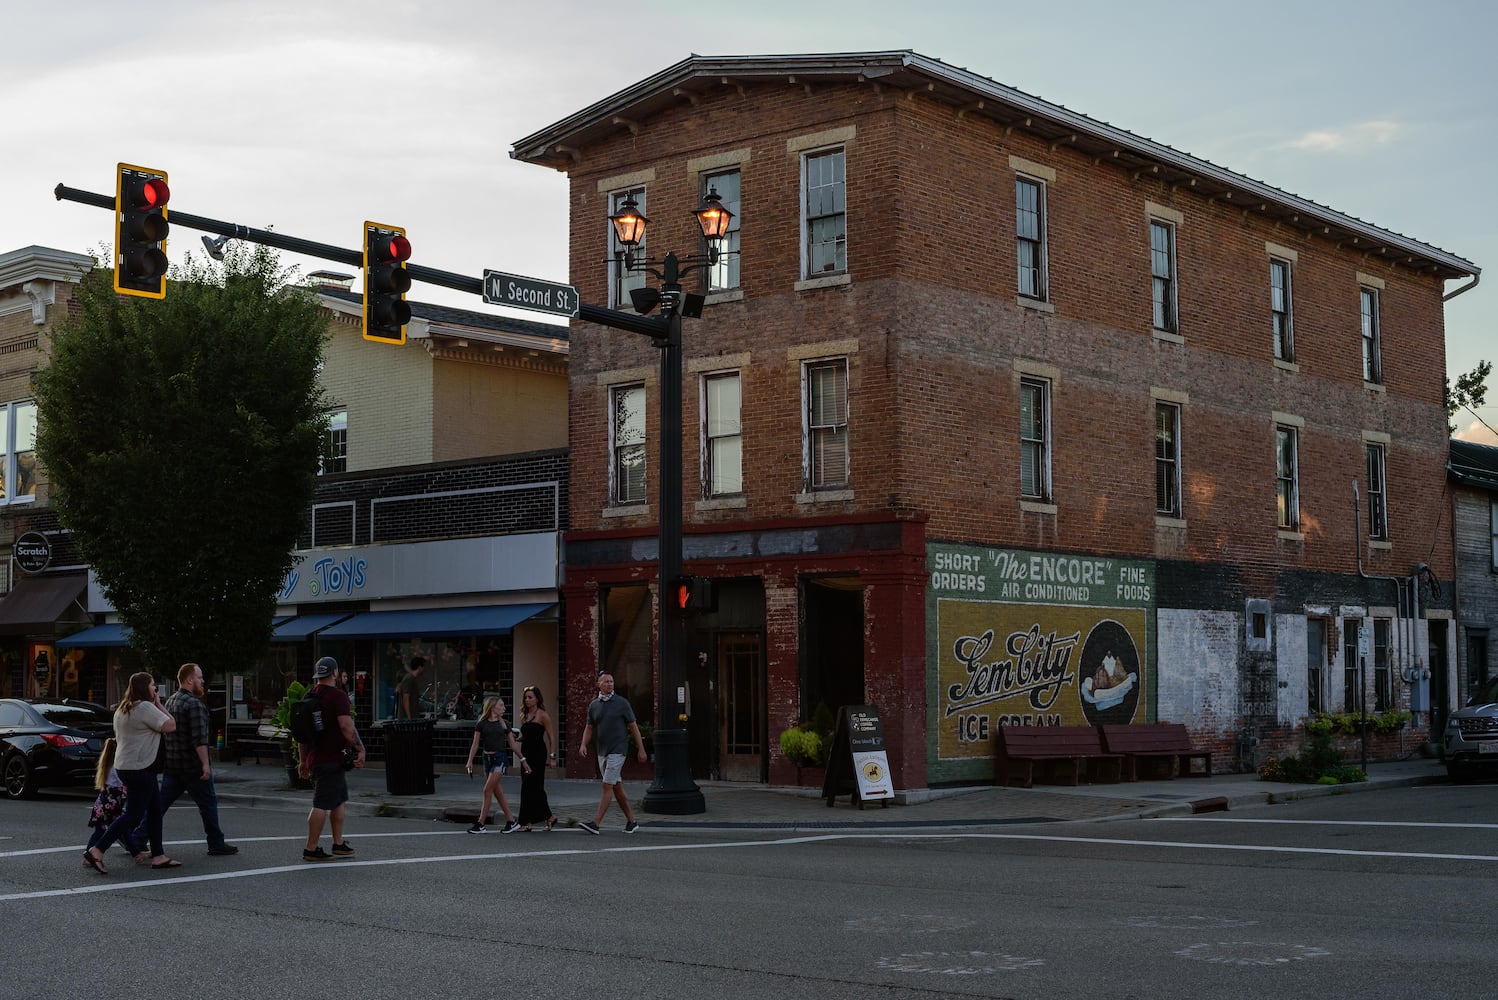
<point x="408" y="757"/>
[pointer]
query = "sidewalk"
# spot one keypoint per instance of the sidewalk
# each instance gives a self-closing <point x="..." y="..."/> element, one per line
<point x="741" y="806"/>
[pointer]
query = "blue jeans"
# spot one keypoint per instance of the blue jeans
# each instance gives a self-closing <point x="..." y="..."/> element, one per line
<point x="172" y="787"/>
<point x="142" y="810"/>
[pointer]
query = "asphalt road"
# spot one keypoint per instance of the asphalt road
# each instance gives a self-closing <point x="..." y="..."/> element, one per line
<point x="1384" y="895"/>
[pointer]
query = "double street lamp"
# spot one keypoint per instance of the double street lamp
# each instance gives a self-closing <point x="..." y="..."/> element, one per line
<point x="673" y="791"/>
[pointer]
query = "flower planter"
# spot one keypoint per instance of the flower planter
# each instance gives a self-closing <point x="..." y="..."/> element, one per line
<point x="810" y="776"/>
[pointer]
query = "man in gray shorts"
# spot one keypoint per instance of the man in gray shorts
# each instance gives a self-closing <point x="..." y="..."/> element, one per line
<point x="613" y="718"/>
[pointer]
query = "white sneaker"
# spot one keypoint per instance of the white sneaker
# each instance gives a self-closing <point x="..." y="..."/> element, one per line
<point x="513" y="826"/>
<point x="478" y="828"/>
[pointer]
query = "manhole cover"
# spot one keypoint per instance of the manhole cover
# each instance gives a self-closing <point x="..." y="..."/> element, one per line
<point x="1251" y="952"/>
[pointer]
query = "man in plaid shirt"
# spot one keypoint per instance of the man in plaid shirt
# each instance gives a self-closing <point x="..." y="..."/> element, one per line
<point x="187" y="767"/>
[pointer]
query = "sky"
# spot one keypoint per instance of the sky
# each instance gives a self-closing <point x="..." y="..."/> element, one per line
<point x="311" y="117"/>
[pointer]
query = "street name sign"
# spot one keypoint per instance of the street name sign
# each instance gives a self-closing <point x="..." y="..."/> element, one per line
<point x="520" y="292"/>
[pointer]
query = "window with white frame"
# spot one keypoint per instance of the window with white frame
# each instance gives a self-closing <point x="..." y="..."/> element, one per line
<point x="1493" y="526"/>
<point x="1280" y="309"/>
<point x="627" y="444"/>
<point x="1373" y="370"/>
<point x="1378" y="510"/>
<point x="825" y="218"/>
<point x="1168" y="459"/>
<point x="18" y="469"/>
<point x="825" y="384"/>
<point x="1383" y="674"/>
<point x="1287" y="465"/>
<point x="1035" y="438"/>
<point x="622" y="281"/>
<point x="1030" y="236"/>
<point x="334" y="457"/>
<point x="722" y="435"/>
<point x="1163" y="275"/>
<point x="723" y="274"/>
<point x="1316" y="658"/>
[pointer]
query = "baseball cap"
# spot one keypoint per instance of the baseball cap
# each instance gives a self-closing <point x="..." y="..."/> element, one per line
<point x="325" y="667"/>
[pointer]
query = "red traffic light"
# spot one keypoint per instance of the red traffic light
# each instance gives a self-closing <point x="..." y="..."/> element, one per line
<point x="141" y="228"/>
<point x="390" y="247"/>
<point x="683" y="594"/>
<point x="150" y="193"/>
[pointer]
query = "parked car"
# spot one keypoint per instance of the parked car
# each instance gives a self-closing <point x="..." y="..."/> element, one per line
<point x="1471" y="737"/>
<point x="49" y="742"/>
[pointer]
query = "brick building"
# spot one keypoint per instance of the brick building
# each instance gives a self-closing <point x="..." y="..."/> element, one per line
<point x="995" y="412"/>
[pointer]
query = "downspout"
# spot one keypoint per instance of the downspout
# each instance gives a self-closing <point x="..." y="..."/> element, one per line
<point x="1465" y="288"/>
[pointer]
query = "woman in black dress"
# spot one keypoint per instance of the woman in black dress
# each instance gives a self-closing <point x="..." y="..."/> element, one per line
<point x="536" y="741"/>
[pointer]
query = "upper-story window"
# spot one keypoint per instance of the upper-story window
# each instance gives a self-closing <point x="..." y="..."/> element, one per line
<point x="334" y="457"/>
<point x="825" y="222"/>
<point x="825" y="384"/>
<point x="1168" y="459"/>
<point x="724" y="274"/>
<point x="621" y="281"/>
<point x="1373" y="369"/>
<point x="627" y="444"/>
<point x="1030" y="236"/>
<point x="722" y="435"/>
<point x="1378" y="509"/>
<point x="1287" y="473"/>
<point x="1035" y="438"/>
<point x="1280" y="303"/>
<point x="18" y="468"/>
<point x="1493" y="527"/>
<point x="1163" y="275"/>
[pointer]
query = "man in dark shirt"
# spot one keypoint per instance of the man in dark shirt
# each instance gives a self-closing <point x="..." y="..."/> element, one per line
<point x="322" y="761"/>
<point x="187" y="768"/>
<point x="614" y="720"/>
<point x="408" y="699"/>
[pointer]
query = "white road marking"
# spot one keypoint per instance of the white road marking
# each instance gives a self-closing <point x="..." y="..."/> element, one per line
<point x="1328" y="822"/>
<point x="729" y="845"/>
<point x="300" y="838"/>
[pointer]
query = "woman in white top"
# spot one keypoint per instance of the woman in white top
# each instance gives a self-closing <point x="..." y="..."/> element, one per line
<point x="138" y="724"/>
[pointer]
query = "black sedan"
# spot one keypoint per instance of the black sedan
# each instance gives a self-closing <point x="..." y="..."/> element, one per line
<point x="50" y="741"/>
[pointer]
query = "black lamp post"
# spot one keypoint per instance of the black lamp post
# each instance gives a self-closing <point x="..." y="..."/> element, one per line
<point x="673" y="791"/>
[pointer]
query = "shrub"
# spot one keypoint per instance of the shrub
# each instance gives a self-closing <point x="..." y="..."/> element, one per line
<point x="803" y="747"/>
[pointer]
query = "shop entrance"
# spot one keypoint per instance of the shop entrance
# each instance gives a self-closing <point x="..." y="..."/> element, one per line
<point x="741" y="706"/>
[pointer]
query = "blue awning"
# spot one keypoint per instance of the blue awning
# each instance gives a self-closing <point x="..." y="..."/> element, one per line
<point x="113" y="634"/>
<point x="434" y="623"/>
<point x="302" y="626"/>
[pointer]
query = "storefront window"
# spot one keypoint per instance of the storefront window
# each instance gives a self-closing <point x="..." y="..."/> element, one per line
<point x="628" y="651"/>
<point x="460" y="674"/>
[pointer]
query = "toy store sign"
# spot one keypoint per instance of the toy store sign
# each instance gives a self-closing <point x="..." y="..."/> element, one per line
<point x="1034" y="638"/>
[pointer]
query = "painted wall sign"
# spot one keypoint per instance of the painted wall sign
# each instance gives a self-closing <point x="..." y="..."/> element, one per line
<point x="1034" y="638"/>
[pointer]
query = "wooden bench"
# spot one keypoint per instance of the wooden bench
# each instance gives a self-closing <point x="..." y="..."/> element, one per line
<point x="1059" y="749"/>
<point x="1162" y="742"/>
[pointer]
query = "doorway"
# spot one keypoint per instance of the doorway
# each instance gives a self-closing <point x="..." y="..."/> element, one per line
<point x="741" y="706"/>
<point x="1440" y="681"/>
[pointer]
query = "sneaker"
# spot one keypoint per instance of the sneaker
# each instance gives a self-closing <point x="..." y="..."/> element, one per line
<point x="589" y="827"/>
<point x="317" y="855"/>
<point x="478" y="828"/>
<point x="631" y="827"/>
<point x="223" y="850"/>
<point x="344" y="849"/>
<point x="513" y="826"/>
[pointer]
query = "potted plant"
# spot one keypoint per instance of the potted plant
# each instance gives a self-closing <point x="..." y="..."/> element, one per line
<point x="1391" y="722"/>
<point x="281" y="725"/>
<point x="808" y="751"/>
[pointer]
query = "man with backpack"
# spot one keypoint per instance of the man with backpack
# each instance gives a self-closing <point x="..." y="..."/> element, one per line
<point x="323" y="726"/>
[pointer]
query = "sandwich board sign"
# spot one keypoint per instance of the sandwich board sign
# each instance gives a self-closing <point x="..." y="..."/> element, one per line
<point x="858" y="765"/>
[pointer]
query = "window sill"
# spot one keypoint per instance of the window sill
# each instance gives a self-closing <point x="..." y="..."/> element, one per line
<point x="1037" y="507"/>
<point x="830" y="281"/>
<point x="1374" y="386"/>
<point x="738" y="502"/>
<point x="1290" y="535"/>
<point x="824" y="496"/>
<point x="1286" y="366"/>
<point x="1378" y="545"/>
<point x="632" y="510"/>
<point x="1168" y="337"/>
<point x="726" y="295"/>
<point x="1039" y="305"/>
<point x="1175" y="523"/>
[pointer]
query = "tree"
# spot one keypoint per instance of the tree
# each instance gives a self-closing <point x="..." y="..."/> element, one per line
<point x="1471" y="391"/>
<point x="180" y="437"/>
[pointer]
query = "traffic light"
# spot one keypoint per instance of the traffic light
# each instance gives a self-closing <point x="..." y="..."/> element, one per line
<point x="386" y="283"/>
<point x="140" y="228"/>
<point x="693" y="593"/>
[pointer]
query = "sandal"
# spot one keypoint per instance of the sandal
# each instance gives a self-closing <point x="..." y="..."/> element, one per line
<point x="97" y="864"/>
<point x="549" y="824"/>
<point x="166" y="863"/>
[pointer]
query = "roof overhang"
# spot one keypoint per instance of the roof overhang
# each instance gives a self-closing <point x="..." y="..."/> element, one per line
<point x="910" y="75"/>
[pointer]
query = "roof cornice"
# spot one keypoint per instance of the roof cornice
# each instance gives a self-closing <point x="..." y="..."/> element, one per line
<point x="913" y="75"/>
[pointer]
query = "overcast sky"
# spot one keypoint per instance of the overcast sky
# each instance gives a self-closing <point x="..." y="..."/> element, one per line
<point x="273" y="113"/>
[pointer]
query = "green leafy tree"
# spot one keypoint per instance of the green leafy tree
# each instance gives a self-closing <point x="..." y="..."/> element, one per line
<point x="181" y="437"/>
<point x="1471" y="391"/>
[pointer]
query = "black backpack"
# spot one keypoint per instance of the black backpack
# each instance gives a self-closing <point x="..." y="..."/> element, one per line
<point x="306" y="719"/>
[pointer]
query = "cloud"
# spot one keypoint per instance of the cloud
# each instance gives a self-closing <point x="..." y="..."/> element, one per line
<point x="1348" y="139"/>
<point x="1478" y="432"/>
